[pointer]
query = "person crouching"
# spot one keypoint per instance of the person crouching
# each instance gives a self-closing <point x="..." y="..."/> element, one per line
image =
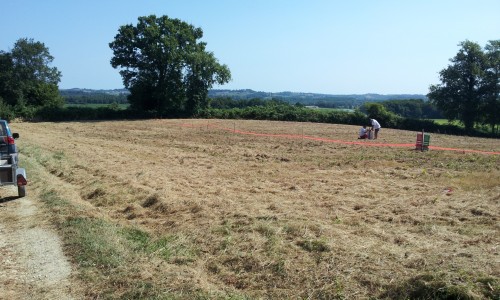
<point x="363" y="133"/>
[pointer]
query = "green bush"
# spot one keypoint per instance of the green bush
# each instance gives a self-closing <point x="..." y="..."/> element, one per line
<point x="6" y="112"/>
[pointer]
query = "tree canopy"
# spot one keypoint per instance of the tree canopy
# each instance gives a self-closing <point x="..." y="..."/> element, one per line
<point x="165" y="67"/>
<point x="26" y="77"/>
<point x="492" y="102"/>
<point x="469" y="89"/>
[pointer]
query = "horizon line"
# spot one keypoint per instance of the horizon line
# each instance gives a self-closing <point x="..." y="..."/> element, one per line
<point x="247" y="89"/>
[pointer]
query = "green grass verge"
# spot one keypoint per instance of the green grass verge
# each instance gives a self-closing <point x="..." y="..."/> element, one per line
<point x="107" y="256"/>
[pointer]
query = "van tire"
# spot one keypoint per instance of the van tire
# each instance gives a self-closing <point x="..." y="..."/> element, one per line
<point x="21" y="191"/>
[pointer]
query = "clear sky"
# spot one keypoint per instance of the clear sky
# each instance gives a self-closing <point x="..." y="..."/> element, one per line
<point x="317" y="46"/>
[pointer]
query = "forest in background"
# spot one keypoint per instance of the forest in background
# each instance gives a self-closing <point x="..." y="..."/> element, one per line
<point x="404" y="105"/>
<point x="409" y="114"/>
<point x="91" y="96"/>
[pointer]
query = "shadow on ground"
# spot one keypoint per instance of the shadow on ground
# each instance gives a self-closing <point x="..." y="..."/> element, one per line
<point x="8" y="199"/>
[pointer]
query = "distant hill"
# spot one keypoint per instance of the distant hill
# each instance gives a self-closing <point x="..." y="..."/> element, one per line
<point x="249" y="94"/>
<point x="81" y="92"/>
<point x="322" y="100"/>
<point x="89" y="96"/>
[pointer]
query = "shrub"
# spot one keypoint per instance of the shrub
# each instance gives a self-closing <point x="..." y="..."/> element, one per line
<point x="6" y="112"/>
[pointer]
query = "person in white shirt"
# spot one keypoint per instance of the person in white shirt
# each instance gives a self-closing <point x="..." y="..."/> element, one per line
<point x="363" y="134"/>
<point x="376" y="127"/>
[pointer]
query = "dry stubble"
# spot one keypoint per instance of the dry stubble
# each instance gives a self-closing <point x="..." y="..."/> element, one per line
<point x="280" y="216"/>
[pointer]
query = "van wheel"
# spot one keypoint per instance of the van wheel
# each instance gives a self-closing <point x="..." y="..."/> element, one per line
<point x="21" y="191"/>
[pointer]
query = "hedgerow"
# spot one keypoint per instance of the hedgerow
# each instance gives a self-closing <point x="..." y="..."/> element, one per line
<point x="272" y="112"/>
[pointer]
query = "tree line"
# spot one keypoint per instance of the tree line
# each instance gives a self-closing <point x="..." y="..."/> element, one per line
<point x="168" y="71"/>
<point x="282" y="111"/>
<point x="470" y="86"/>
<point x="82" y="97"/>
<point x="411" y="108"/>
<point x="276" y="110"/>
<point x="407" y="108"/>
<point x="27" y="82"/>
<point x="312" y="99"/>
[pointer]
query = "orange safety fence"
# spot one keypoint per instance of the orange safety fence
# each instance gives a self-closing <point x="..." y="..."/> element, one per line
<point x="327" y="140"/>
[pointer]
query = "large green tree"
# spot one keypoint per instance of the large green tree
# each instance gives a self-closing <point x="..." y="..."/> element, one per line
<point x="165" y="66"/>
<point x="26" y="77"/>
<point x="9" y="88"/>
<point x="466" y="86"/>
<point x="492" y="102"/>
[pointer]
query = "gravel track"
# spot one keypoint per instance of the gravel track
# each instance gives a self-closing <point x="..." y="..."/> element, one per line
<point x="32" y="263"/>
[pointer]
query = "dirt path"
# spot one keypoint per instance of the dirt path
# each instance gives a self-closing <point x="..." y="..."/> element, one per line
<point x="32" y="264"/>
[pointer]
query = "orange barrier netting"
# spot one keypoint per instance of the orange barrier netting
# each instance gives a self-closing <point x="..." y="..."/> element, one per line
<point x="327" y="140"/>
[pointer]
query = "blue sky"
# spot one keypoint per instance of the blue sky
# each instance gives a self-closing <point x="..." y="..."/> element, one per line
<point x="318" y="46"/>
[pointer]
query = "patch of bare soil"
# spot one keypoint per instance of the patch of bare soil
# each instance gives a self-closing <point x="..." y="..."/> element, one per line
<point x="32" y="264"/>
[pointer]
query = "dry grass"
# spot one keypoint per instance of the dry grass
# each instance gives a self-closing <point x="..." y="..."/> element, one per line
<point x="190" y="210"/>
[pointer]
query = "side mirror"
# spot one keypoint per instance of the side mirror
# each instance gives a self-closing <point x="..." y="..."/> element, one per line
<point x="15" y="135"/>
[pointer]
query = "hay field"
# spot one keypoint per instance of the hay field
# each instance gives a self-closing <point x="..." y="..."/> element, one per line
<point x="182" y="209"/>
